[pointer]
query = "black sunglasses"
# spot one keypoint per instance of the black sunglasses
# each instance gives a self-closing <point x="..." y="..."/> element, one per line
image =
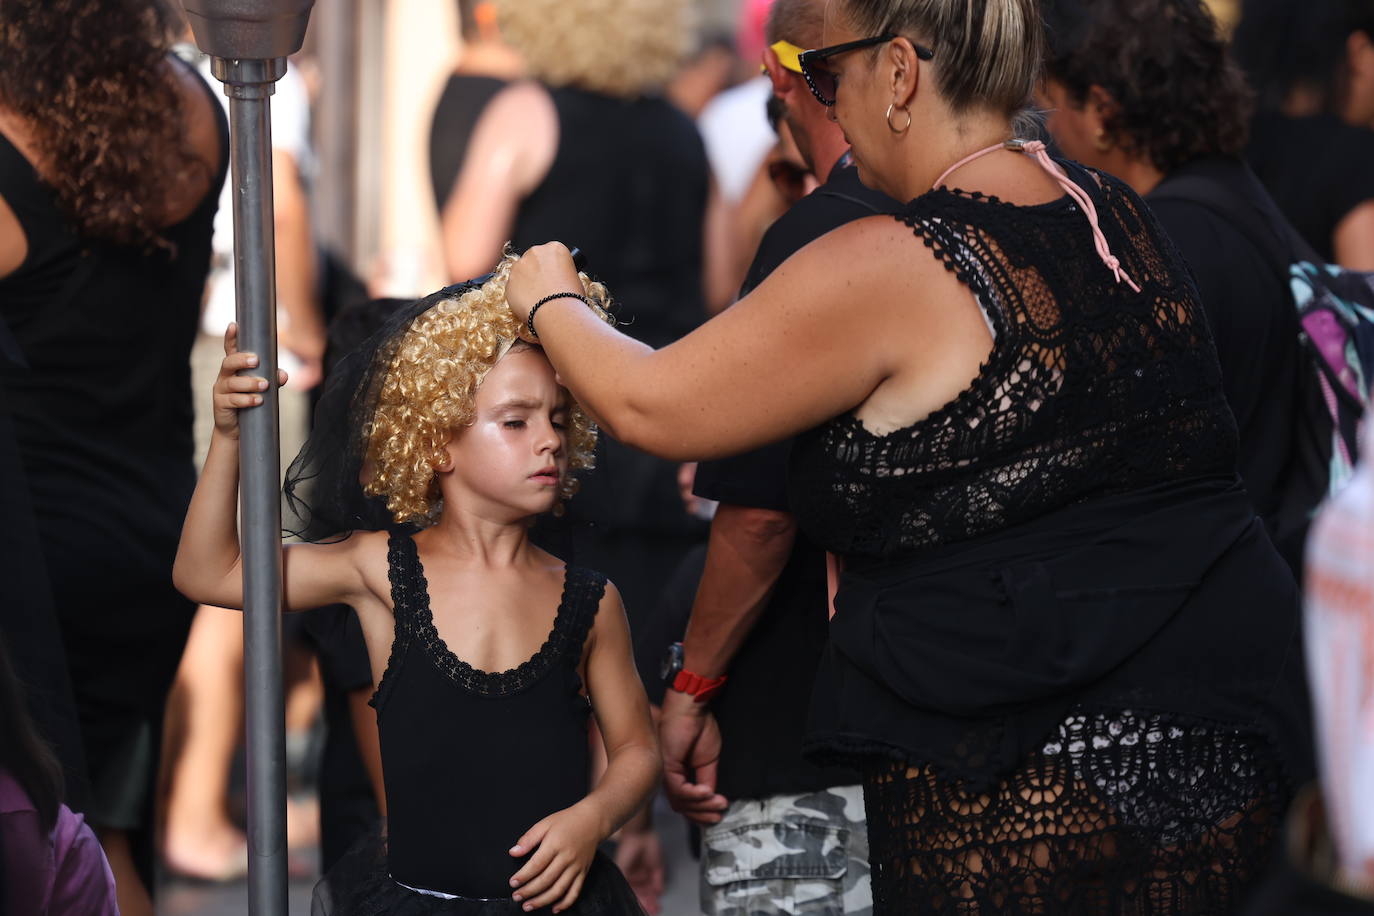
<point x="822" y="81"/>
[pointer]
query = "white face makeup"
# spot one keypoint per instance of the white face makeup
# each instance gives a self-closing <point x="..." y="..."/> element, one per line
<point x="510" y="461"/>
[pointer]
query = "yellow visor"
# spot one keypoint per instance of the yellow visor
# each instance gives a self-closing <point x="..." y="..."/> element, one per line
<point x="787" y="55"/>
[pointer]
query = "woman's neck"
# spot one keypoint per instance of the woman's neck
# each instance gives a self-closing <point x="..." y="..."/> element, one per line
<point x="937" y="151"/>
<point x="1140" y="174"/>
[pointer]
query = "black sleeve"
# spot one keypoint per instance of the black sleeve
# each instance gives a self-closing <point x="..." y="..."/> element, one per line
<point x="1191" y="228"/>
<point x="756" y="479"/>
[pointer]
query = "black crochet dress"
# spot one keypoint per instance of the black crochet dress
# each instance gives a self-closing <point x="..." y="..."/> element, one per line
<point x="472" y="760"/>
<point x="1065" y="654"/>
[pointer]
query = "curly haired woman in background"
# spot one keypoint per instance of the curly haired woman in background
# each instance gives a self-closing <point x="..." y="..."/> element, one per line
<point x="112" y="153"/>
<point x="1145" y="90"/>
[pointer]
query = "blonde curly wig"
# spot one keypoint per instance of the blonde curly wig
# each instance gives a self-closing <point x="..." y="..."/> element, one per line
<point x="430" y="389"/>
<point x="623" y="48"/>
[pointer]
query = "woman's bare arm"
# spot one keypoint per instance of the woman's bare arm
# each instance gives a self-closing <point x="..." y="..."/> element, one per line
<point x="512" y="149"/>
<point x="847" y="313"/>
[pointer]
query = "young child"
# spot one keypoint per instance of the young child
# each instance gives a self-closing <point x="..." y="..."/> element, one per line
<point x="489" y="652"/>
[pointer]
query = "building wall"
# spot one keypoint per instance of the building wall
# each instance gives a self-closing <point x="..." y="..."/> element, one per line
<point x="400" y="255"/>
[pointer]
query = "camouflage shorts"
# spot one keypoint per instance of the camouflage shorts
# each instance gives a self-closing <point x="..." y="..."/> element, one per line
<point x="799" y="855"/>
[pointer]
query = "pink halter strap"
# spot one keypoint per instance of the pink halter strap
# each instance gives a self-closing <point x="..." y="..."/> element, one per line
<point x="1036" y="150"/>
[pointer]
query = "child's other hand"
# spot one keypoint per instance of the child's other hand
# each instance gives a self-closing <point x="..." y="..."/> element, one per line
<point x="234" y="392"/>
<point x="566" y="844"/>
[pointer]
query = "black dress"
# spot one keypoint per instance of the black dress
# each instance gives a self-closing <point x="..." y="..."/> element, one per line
<point x="1065" y="652"/>
<point x="472" y="760"/>
<point x="102" y="415"/>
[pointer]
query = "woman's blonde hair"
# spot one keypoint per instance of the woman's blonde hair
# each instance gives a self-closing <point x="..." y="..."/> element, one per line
<point x="988" y="53"/>
<point x="623" y="48"/>
<point x="430" y="388"/>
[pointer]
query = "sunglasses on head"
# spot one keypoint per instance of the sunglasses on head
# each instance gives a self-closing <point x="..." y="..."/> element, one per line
<point x="822" y="80"/>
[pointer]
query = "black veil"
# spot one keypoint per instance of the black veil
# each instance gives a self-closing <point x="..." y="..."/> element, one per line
<point x="323" y="490"/>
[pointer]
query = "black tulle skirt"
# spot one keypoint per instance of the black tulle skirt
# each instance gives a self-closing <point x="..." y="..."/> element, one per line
<point x="359" y="885"/>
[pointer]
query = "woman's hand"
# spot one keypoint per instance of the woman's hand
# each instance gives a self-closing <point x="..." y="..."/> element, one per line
<point x="234" y="392"/>
<point x="564" y="845"/>
<point x="541" y="270"/>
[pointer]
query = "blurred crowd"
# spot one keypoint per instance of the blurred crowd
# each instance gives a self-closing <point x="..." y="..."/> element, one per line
<point x="688" y="160"/>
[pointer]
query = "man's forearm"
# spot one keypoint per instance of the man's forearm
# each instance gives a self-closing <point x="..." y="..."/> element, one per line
<point x="747" y="552"/>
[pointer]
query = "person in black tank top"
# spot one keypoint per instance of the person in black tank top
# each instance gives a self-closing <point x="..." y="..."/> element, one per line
<point x="490" y="654"/>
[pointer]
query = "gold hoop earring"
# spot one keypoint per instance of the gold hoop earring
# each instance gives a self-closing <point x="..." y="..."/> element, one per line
<point x="1101" y="142"/>
<point x="892" y="127"/>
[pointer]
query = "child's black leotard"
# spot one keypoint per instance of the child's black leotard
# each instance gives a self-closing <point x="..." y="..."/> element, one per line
<point x="472" y="760"/>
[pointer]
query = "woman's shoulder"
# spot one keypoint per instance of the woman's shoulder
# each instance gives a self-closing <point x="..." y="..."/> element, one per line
<point x="522" y="98"/>
<point x="206" y="133"/>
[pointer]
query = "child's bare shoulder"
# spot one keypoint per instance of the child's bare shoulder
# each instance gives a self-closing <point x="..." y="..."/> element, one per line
<point x="366" y="552"/>
<point x="610" y="613"/>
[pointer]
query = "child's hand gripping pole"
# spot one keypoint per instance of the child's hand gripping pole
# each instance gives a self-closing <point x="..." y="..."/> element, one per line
<point x="234" y="392"/>
<point x="208" y="567"/>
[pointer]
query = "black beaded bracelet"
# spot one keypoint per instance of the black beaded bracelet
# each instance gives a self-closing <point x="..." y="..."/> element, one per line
<point x="529" y="320"/>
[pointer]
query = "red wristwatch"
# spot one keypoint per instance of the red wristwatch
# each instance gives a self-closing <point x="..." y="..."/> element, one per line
<point x="697" y="687"/>
<point x="677" y="678"/>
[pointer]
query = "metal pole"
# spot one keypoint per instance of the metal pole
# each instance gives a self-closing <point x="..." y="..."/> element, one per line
<point x="249" y="41"/>
<point x="249" y="85"/>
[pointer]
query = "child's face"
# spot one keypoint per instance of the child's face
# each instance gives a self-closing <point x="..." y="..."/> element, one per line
<point x="509" y="463"/>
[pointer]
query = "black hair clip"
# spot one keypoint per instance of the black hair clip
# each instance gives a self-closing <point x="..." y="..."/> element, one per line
<point x="579" y="259"/>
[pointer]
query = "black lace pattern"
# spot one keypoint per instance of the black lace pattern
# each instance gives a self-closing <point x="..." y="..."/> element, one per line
<point x="582" y="591"/>
<point x="1090" y="389"/>
<point x="1118" y="812"/>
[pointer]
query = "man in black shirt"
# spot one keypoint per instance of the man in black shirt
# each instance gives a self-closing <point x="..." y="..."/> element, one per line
<point x="777" y="828"/>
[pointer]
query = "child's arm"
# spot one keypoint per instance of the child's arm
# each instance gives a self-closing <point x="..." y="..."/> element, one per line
<point x="567" y="839"/>
<point x="209" y="566"/>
